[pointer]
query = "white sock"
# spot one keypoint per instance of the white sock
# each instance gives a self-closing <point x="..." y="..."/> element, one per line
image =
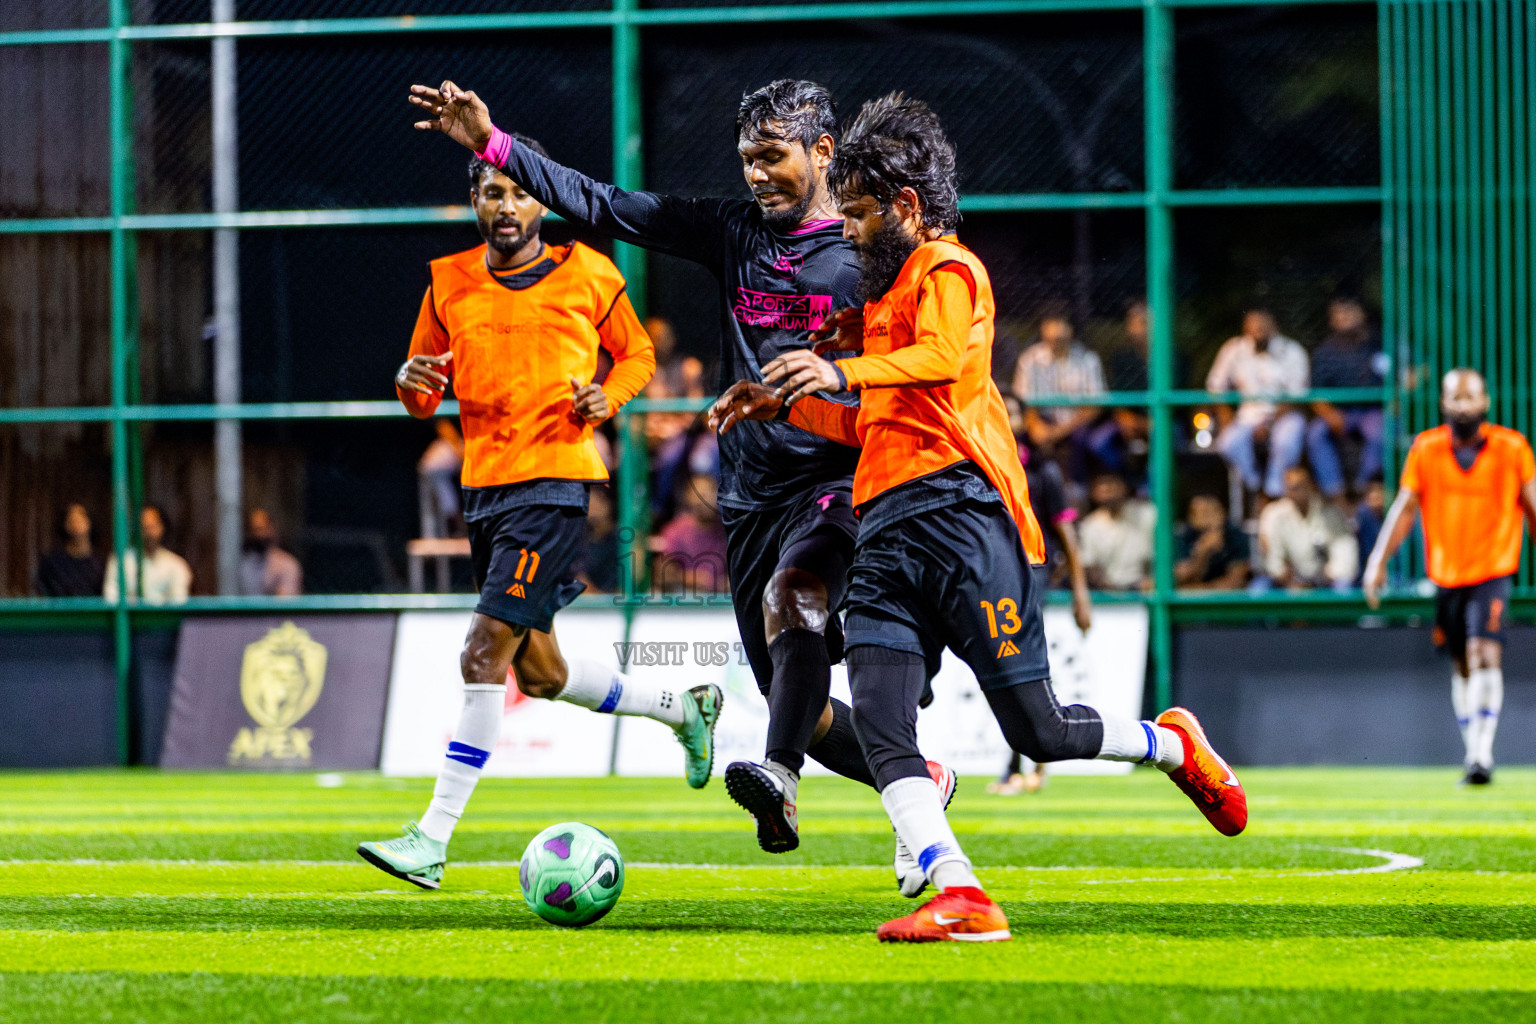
<point x="1126" y="739"/>
<point x="591" y="685"/>
<point x="918" y="816"/>
<point x="1461" y="702"/>
<point x="1486" y="712"/>
<point x="473" y="741"/>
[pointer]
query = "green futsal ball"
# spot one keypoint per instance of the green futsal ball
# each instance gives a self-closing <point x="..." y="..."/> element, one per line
<point x="571" y="874"/>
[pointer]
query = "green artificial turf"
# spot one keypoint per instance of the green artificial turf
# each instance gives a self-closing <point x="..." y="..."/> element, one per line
<point x="153" y="896"/>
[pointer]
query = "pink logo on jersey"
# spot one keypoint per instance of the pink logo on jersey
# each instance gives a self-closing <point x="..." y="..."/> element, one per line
<point x="785" y="312"/>
<point x="788" y="264"/>
<point x="825" y="501"/>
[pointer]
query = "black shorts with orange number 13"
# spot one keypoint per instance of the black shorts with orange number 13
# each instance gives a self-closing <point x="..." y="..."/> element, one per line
<point x="951" y="577"/>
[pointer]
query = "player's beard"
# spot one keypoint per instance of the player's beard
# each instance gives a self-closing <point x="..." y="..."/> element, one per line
<point x="882" y="257"/>
<point x="510" y="245"/>
<point x="1465" y="428"/>
<point x="788" y="219"/>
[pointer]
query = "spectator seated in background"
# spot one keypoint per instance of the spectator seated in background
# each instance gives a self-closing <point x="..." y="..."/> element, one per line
<point x="1115" y="541"/>
<point x="1261" y="364"/>
<point x="1369" y="516"/>
<point x="266" y="569"/>
<point x="679" y="374"/>
<point x="1306" y="541"/>
<point x="73" y="569"/>
<point x="1057" y="518"/>
<point x="167" y="576"/>
<point x="1122" y="437"/>
<point x="1059" y="366"/>
<point x="691" y="548"/>
<point x="1350" y="357"/>
<point x="599" y="565"/>
<point x="1211" y="553"/>
<point x="439" y="469"/>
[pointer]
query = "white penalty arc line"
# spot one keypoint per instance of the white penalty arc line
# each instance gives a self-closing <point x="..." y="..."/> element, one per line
<point x="1390" y="862"/>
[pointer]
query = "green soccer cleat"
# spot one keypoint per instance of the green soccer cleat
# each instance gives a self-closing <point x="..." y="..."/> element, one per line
<point x="414" y="857"/>
<point x="701" y="710"/>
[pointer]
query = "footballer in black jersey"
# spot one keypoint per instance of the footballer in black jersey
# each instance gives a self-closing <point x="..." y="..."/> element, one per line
<point x="786" y="495"/>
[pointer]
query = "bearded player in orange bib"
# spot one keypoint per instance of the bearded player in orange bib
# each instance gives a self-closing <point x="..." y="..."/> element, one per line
<point x="515" y="324"/>
<point x="948" y="553"/>
<point x="1474" y="484"/>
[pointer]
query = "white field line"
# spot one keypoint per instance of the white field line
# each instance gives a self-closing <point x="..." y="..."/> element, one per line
<point x="1390" y="862"/>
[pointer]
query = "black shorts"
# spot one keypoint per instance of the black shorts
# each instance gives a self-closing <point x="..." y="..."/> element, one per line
<point x="815" y="533"/>
<point x="524" y="562"/>
<point x="953" y="577"/>
<point x="1479" y="610"/>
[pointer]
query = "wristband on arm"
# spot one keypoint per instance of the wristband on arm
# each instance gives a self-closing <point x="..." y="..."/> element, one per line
<point x="498" y="148"/>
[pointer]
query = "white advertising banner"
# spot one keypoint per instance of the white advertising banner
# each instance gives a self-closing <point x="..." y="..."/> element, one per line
<point x="685" y="647"/>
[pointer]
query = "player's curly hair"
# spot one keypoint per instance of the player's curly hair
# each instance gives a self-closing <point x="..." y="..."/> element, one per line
<point x="787" y="110"/>
<point x="478" y="167"/>
<point x="896" y="143"/>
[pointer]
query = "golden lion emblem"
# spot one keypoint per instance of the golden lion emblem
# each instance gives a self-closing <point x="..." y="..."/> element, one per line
<point x="280" y="679"/>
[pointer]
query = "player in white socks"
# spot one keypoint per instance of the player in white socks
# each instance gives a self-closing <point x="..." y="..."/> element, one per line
<point x="517" y="325"/>
<point x="1472" y="483"/>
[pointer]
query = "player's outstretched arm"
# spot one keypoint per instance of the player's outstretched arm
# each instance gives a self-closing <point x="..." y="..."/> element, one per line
<point x="1528" y="505"/>
<point x="692" y="229"/>
<point x="1394" y="531"/>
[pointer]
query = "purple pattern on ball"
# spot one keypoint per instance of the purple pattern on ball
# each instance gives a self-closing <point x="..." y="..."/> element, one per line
<point x="560" y="895"/>
<point x="522" y="874"/>
<point x="560" y="846"/>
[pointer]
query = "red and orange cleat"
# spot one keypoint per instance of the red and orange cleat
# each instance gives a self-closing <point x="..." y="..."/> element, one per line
<point x="1204" y="777"/>
<point x="961" y="914"/>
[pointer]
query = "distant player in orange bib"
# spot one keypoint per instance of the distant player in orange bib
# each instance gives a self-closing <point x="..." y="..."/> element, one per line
<point x="1472" y="483"/>
<point x="515" y="325"/>
<point x="948" y="552"/>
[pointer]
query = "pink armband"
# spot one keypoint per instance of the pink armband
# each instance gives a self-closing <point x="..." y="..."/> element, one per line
<point x="497" y="149"/>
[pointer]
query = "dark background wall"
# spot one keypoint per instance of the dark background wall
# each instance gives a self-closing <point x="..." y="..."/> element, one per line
<point x="1342" y="695"/>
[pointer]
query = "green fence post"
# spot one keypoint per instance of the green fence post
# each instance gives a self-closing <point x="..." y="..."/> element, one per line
<point x="123" y="315"/>
<point x="1157" y="72"/>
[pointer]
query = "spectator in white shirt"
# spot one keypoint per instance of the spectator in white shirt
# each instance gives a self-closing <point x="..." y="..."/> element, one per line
<point x="1059" y="366"/>
<point x="1262" y="365"/>
<point x="1306" y="541"/>
<point x="167" y="577"/>
<point x="1115" y="539"/>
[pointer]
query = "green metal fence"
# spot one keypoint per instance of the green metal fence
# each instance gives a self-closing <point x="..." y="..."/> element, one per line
<point x="1456" y="89"/>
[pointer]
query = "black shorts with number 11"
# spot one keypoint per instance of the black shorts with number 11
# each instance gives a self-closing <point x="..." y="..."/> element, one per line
<point x="953" y="577"/>
<point x="524" y="562"/>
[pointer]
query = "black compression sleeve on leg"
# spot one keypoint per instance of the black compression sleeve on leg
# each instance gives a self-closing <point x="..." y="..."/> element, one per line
<point x="1041" y="729"/>
<point x="886" y="686"/>
<point x="802" y="679"/>
<point x="839" y="749"/>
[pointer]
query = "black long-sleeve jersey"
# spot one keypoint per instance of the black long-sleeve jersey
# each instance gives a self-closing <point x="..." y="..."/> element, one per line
<point x="776" y="287"/>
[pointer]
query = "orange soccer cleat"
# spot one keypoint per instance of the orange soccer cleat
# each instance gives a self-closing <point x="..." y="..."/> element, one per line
<point x="1204" y="777"/>
<point x="959" y="914"/>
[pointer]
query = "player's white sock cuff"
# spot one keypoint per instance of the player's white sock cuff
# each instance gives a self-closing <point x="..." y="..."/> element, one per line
<point x="471" y="746"/>
<point x="1126" y="739"/>
<point x="917" y="812"/>
<point x="592" y="685"/>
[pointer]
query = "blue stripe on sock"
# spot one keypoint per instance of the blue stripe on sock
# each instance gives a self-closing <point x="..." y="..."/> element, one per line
<point x="615" y="691"/>
<point x="927" y="857"/>
<point x="466" y="754"/>
<point x="1148" y="728"/>
<point x="1489" y="713"/>
<point x="1463" y="722"/>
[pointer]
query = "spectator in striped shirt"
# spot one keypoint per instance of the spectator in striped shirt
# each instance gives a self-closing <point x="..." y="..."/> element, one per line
<point x="1059" y="366"/>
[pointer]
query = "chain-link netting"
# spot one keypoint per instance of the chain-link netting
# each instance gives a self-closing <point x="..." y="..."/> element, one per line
<point x="1033" y="104"/>
<point x="42" y="15"/>
<point x="173" y="127"/>
<point x="55" y="160"/>
<point x="324" y="122"/>
<point x="173" y="11"/>
<point x="1280" y="96"/>
<point x="1291" y="260"/>
<point x="55" y="320"/>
